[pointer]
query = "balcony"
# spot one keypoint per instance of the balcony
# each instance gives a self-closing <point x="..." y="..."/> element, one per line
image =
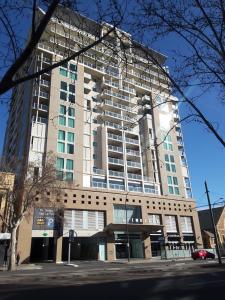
<point x="101" y="185"/>
<point x="115" y="149"/>
<point x="116" y="173"/>
<point x="132" y="152"/>
<point x="39" y="120"/>
<point x="132" y="141"/>
<point x="115" y="137"/>
<point x="133" y="164"/>
<point x="117" y="95"/>
<point x="42" y="107"/>
<point x="134" y="176"/>
<point x="111" y="73"/>
<point x="117" y="105"/>
<point x="116" y="186"/>
<point x="152" y="190"/>
<point x="41" y="94"/>
<point x="45" y="82"/>
<point x="135" y="189"/>
<point x="99" y="171"/>
<point x="116" y="161"/>
<point x="111" y="83"/>
<point x="94" y="66"/>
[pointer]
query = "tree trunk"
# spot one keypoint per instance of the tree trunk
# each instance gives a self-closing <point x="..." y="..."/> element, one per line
<point x="12" y="257"/>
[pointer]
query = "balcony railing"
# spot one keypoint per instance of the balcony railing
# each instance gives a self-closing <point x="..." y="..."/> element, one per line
<point x="45" y="82"/>
<point x="99" y="171"/>
<point x="116" y="173"/>
<point x="99" y="184"/>
<point x="39" y="120"/>
<point x="132" y="141"/>
<point x="117" y="95"/>
<point x="133" y="164"/>
<point x="132" y="152"/>
<point x="114" y="148"/>
<point x="115" y="137"/>
<point x="117" y="105"/>
<point x="153" y="190"/>
<point x="135" y="189"/>
<point x="134" y="176"/>
<point x="116" y="161"/>
<point x="40" y="106"/>
<point x="117" y="186"/>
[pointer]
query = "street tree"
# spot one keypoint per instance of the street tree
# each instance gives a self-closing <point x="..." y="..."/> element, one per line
<point x="22" y="199"/>
<point x="196" y="28"/>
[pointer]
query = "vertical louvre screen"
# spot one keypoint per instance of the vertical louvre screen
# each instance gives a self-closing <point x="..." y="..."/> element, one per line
<point x="186" y="225"/>
<point x="171" y="225"/>
<point x="83" y="219"/>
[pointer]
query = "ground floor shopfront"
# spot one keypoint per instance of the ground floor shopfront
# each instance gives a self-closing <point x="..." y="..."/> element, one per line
<point x="110" y="226"/>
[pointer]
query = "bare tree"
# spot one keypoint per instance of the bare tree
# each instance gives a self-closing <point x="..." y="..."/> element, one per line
<point x="21" y="200"/>
<point x="17" y="55"/>
<point x="199" y="26"/>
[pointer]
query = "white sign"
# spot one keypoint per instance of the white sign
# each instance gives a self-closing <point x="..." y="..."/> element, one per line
<point x="5" y="236"/>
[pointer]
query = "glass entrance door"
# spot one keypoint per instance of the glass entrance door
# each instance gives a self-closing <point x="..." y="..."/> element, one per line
<point x="135" y="245"/>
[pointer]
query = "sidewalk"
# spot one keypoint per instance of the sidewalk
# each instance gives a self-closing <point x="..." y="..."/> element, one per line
<point x="23" y="267"/>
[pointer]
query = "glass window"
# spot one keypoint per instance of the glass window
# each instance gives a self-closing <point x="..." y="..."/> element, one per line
<point x="59" y="175"/>
<point x="63" y="72"/>
<point x="70" y="149"/>
<point x="71" y="112"/>
<point x="71" y="98"/>
<point x="62" y="121"/>
<point x="61" y="147"/>
<point x="72" y="88"/>
<point x="62" y="109"/>
<point x="73" y="68"/>
<point x="69" y="164"/>
<point x="63" y="86"/>
<point x="173" y="185"/>
<point x="73" y="76"/>
<point x="65" y="65"/>
<point x="133" y="214"/>
<point x="170" y="165"/>
<point x="59" y="163"/>
<point x="70" y="137"/>
<point x="63" y="96"/>
<point x="71" y="123"/>
<point x="68" y="176"/>
<point x="94" y="132"/>
<point x="95" y="144"/>
<point x="61" y="135"/>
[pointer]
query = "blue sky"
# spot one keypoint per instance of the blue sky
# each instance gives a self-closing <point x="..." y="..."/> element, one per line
<point x="206" y="157"/>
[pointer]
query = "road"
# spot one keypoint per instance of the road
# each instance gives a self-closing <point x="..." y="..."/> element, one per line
<point x="96" y="280"/>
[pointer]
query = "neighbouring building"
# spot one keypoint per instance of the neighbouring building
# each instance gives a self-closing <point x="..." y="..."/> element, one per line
<point x="126" y="175"/>
<point x="6" y="186"/>
<point x="207" y="227"/>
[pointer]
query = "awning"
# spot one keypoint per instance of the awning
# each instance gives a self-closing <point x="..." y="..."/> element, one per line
<point x="133" y="227"/>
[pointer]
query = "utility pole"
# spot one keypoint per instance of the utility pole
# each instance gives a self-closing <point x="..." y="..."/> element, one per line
<point x="213" y="224"/>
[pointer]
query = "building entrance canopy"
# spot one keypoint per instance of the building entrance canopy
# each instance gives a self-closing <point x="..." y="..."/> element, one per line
<point x="133" y="227"/>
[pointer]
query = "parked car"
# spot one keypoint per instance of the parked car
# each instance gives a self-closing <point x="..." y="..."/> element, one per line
<point x="202" y="254"/>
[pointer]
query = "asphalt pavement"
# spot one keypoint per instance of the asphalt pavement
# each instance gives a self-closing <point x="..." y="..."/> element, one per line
<point x="168" y="280"/>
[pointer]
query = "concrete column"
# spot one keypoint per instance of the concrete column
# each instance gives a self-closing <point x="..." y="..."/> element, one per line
<point x="147" y="245"/>
<point x="24" y="240"/>
<point x="180" y="229"/>
<point x="111" y="255"/>
<point x="58" y="256"/>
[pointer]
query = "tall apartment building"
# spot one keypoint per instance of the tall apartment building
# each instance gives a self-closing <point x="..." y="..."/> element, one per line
<point x="126" y="176"/>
